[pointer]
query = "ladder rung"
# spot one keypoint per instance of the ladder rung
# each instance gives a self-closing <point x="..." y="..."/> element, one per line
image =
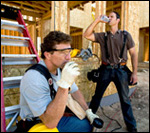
<point x="18" y="55"/>
<point x="17" y="37"/>
<point x="14" y="42"/>
<point x="12" y="26"/>
<point x="18" y="59"/>
<point x="10" y="126"/>
<point x="11" y="110"/>
<point x="8" y="79"/>
<point x="11" y="82"/>
<point x="19" y="62"/>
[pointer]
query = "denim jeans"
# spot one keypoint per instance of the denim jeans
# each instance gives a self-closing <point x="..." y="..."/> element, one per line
<point x="120" y="79"/>
<point x="73" y="124"/>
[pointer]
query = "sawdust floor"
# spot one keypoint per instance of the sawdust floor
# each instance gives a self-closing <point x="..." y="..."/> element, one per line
<point x="140" y="106"/>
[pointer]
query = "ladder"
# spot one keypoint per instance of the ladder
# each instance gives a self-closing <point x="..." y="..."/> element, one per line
<point x="14" y="59"/>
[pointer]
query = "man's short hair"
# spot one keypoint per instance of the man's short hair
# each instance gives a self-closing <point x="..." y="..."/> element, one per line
<point x="52" y="39"/>
<point x="117" y="14"/>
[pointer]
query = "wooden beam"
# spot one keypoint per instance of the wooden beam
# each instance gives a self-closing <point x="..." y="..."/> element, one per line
<point x="29" y="22"/>
<point x="77" y="33"/>
<point x="74" y="4"/>
<point x="146" y="34"/>
<point x="28" y="13"/>
<point x="53" y="17"/>
<point x="43" y="3"/>
<point x="114" y="6"/>
<point x="31" y="5"/>
<point x="47" y="15"/>
<point x="68" y="20"/>
<point x="7" y="3"/>
<point x="122" y="15"/>
<point x="19" y="6"/>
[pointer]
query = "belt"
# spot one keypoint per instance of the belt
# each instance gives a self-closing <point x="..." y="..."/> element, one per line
<point x="121" y="64"/>
<point x="32" y="119"/>
<point x="109" y="66"/>
<point x="66" y="114"/>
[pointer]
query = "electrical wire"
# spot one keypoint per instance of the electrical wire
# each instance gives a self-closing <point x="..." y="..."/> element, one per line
<point x="97" y="57"/>
<point x="112" y="119"/>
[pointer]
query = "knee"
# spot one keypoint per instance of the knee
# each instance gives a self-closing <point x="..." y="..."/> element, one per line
<point x="86" y="126"/>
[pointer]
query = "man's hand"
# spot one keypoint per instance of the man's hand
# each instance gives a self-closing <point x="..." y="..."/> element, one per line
<point x="89" y="33"/>
<point x="133" y="78"/>
<point x="99" y="19"/>
<point x="91" y="116"/>
<point x="94" y="119"/>
<point x="69" y="74"/>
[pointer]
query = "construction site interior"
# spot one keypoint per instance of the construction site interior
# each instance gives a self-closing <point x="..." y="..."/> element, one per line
<point x="71" y="17"/>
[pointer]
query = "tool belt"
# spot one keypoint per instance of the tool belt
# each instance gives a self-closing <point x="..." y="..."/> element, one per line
<point x="123" y="66"/>
<point x="115" y="66"/>
<point x="68" y="114"/>
<point x="23" y="126"/>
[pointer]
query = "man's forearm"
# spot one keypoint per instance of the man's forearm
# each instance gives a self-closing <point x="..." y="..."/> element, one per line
<point x="90" y="29"/>
<point x="134" y="60"/>
<point x="80" y="99"/>
<point x="134" y="64"/>
<point x="55" y="109"/>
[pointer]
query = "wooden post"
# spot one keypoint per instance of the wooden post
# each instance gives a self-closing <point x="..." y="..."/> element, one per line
<point x="52" y="16"/>
<point x="100" y="10"/>
<point x="124" y="15"/>
<point x="41" y="31"/>
<point x="60" y="16"/>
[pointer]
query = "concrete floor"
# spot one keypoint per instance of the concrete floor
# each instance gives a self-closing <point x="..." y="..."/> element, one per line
<point x="140" y="105"/>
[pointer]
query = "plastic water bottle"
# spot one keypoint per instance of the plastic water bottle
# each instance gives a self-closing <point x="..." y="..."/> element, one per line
<point x="105" y="18"/>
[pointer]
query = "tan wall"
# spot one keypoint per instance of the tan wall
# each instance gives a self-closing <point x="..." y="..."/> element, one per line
<point x="143" y="45"/>
<point x="82" y="19"/>
<point x="132" y="24"/>
<point x="78" y="18"/>
<point x="85" y="86"/>
<point x="144" y="13"/>
<point x="46" y="26"/>
<point x="141" y="50"/>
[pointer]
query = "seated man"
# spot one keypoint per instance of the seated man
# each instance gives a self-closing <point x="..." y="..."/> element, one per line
<point x="36" y="102"/>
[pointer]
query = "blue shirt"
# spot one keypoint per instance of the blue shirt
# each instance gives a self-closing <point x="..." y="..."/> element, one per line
<point x="35" y="92"/>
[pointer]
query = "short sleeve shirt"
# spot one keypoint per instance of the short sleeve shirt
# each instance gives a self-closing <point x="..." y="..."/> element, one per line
<point x="114" y="45"/>
<point x="35" y="92"/>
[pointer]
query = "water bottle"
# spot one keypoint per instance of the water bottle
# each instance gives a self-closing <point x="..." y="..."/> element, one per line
<point x="105" y="18"/>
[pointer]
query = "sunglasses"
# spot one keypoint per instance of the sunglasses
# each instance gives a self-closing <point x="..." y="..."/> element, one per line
<point x="65" y="51"/>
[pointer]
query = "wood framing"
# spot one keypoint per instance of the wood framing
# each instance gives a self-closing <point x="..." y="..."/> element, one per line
<point x="60" y="12"/>
<point x="99" y="10"/>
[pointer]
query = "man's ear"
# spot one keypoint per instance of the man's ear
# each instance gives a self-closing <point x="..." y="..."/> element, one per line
<point x="118" y="20"/>
<point x="47" y="55"/>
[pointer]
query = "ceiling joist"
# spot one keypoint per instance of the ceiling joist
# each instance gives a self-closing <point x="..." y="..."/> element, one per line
<point x="39" y="9"/>
<point x="30" y="5"/>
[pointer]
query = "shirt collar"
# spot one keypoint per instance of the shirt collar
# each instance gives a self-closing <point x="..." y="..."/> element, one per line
<point x="119" y="31"/>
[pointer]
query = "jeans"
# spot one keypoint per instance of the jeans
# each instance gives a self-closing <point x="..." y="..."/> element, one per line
<point x="73" y="124"/>
<point x="120" y="79"/>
